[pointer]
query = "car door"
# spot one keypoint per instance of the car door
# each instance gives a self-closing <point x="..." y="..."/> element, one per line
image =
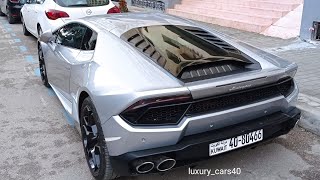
<point x="27" y="14"/>
<point x="65" y="48"/>
<point x="35" y="9"/>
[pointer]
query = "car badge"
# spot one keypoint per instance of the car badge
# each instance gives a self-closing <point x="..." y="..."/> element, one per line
<point x="88" y="12"/>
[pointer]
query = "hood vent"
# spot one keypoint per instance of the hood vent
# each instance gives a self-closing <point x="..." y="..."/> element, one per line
<point x="212" y="70"/>
<point x="188" y="53"/>
<point x="211" y="38"/>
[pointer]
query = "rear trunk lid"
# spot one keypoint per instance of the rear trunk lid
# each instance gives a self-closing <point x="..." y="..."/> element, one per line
<point x="77" y="10"/>
<point x="207" y="64"/>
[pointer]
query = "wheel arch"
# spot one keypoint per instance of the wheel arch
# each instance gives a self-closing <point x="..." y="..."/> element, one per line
<point x="83" y="95"/>
<point x="38" y="25"/>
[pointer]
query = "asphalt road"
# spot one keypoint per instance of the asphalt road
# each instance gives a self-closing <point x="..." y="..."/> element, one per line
<point x="38" y="140"/>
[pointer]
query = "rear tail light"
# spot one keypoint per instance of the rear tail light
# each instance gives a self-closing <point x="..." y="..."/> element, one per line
<point x="56" y="14"/>
<point x="14" y="1"/>
<point x="115" y="9"/>
<point x="286" y="87"/>
<point x="161" y="111"/>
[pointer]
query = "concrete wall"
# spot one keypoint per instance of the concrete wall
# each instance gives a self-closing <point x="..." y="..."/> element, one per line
<point x="311" y="12"/>
<point x="149" y="4"/>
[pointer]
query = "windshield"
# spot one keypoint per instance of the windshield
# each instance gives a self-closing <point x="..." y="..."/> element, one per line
<point x="82" y="3"/>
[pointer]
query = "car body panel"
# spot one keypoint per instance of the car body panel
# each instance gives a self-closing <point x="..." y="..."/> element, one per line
<point x="116" y="75"/>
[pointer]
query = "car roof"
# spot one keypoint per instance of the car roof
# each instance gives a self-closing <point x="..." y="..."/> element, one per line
<point x="122" y="22"/>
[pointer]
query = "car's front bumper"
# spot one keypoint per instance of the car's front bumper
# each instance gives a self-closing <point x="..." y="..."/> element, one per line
<point x="196" y="147"/>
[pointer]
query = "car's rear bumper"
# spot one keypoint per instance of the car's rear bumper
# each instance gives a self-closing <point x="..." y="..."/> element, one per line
<point x="196" y="147"/>
<point x="14" y="10"/>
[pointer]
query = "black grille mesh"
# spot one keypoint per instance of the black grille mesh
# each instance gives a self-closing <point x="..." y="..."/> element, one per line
<point x="166" y="114"/>
<point x="230" y="101"/>
<point x="212" y="70"/>
<point x="286" y="87"/>
<point x="173" y="113"/>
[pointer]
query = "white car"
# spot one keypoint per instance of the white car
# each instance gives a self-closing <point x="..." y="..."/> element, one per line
<point x="38" y="16"/>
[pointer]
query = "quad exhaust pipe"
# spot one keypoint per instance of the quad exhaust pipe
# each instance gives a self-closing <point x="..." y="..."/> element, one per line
<point x="164" y="163"/>
<point x="161" y="163"/>
<point x="143" y="166"/>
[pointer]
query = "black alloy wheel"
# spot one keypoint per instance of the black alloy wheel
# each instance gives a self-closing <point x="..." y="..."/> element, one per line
<point x="94" y="144"/>
<point x="90" y="140"/>
<point x="42" y="67"/>
<point x="24" y="29"/>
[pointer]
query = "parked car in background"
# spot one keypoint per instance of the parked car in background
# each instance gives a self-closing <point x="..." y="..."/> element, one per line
<point x="11" y="8"/>
<point x="38" y="16"/>
<point x="150" y="92"/>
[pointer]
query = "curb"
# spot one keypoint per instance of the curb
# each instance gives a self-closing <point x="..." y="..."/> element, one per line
<point x="310" y="109"/>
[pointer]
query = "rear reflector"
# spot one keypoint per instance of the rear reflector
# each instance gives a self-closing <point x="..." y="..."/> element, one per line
<point x="55" y="14"/>
<point x="115" y="9"/>
<point x="14" y="1"/>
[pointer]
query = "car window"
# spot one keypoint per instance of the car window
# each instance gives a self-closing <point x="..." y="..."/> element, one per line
<point x="89" y="40"/>
<point x="28" y="1"/>
<point x="82" y="3"/>
<point x="22" y="1"/>
<point x="71" y="35"/>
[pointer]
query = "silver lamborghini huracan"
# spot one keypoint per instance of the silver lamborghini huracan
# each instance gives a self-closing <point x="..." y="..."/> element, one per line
<point x="150" y="92"/>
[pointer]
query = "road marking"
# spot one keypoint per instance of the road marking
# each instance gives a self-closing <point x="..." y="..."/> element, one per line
<point x="68" y="118"/>
<point x="51" y="92"/>
<point x="11" y="41"/>
<point x="9" y="29"/>
<point x="37" y="72"/>
<point x="17" y="40"/>
<point x="30" y="59"/>
<point x="13" y="34"/>
<point x="15" y="47"/>
<point x="23" y="48"/>
<point x="43" y="101"/>
<point x="26" y="70"/>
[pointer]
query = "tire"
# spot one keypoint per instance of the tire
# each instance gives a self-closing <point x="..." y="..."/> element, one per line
<point x="93" y="142"/>
<point x="11" y="20"/>
<point x="1" y="13"/>
<point x="39" y="30"/>
<point x="42" y="67"/>
<point x="24" y="29"/>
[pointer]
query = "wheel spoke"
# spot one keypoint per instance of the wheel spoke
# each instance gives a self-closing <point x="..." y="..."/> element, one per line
<point x="94" y="157"/>
<point x="90" y="138"/>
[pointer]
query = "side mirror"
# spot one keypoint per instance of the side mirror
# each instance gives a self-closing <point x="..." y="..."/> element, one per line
<point x="46" y="36"/>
